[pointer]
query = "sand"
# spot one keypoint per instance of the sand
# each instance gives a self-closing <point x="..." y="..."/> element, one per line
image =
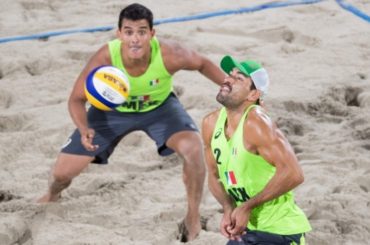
<point x="318" y="58"/>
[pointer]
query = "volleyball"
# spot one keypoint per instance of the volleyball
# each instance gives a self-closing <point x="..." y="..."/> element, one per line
<point x="107" y="87"/>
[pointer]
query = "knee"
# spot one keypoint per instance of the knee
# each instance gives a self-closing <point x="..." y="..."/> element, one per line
<point x="60" y="176"/>
<point x="194" y="166"/>
<point x="68" y="166"/>
<point x="191" y="150"/>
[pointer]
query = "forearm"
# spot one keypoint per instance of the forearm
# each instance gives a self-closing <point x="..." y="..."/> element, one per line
<point x="282" y="182"/>
<point x="212" y="72"/>
<point x="78" y="113"/>
<point x="220" y="194"/>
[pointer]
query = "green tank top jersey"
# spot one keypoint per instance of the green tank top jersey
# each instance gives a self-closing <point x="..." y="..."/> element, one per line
<point x="149" y="90"/>
<point x="245" y="174"/>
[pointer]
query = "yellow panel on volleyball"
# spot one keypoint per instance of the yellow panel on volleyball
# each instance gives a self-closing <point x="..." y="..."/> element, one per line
<point x="114" y="81"/>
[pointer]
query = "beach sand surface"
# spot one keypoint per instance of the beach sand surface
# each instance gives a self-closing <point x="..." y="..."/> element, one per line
<point x="318" y="59"/>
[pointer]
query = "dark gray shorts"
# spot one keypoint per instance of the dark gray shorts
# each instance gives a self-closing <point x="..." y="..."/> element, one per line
<point x="265" y="238"/>
<point x="110" y="127"/>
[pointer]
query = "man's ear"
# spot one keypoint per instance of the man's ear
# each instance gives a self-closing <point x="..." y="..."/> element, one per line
<point x="153" y="32"/>
<point x="118" y="33"/>
<point x="254" y="95"/>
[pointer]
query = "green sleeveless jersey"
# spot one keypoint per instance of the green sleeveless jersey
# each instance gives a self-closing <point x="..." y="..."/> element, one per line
<point x="149" y="90"/>
<point x="245" y="174"/>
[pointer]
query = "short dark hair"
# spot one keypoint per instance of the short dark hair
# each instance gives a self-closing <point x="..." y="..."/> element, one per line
<point x="134" y="12"/>
<point x="253" y="87"/>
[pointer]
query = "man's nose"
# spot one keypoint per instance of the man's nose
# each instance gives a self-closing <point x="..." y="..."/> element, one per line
<point x="135" y="38"/>
<point x="229" y="79"/>
<point x="233" y="73"/>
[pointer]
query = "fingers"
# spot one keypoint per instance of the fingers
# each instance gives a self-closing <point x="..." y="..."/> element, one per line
<point x="90" y="147"/>
<point x="236" y="229"/>
<point x="87" y="140"/>
<point x="236" y="232"/>
<point x="225" y="232"/>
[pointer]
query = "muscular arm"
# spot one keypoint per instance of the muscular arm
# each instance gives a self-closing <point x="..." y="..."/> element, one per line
<point x="77" y="99"/>
<point x="214" y="184"/>
<point x="272" y="145"/>
<point x="177" y="58"/>
<point x="263" y="137"/>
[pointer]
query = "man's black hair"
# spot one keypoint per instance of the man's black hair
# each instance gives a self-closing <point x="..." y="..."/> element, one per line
<point x="135" y="12"/>
<point x="253" y="87"/>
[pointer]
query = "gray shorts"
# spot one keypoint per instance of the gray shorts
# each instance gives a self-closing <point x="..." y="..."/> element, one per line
<point x="110" y="127"/>
<point x="265" y="238"/>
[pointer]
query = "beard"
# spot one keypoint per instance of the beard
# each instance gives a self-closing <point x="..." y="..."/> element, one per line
<point x="227" y="100"/>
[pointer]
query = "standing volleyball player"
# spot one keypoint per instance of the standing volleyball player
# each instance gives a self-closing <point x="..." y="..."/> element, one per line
<point x="144" y="59"/>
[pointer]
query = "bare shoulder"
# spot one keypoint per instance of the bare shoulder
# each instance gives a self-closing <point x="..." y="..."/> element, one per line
<point x="103" y="55"/>
<point x="259" y="116"/>
<point x="211" y="117"/>
<point x="208" y="125"/>
<point x="259" y="126"/>
<point x="170" y="47"/>
<point x="177" y="57"/>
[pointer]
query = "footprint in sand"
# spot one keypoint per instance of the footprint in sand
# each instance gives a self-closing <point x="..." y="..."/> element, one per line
<point x="351" y="96"/>
<point x="13" y="230"/>
<point x="178" y="90"/>
<point x="337" y="101"/>
<point x="359" y="123"/>
<point x="362" y="133"/>
<point x="283" y="33"/>
<point x="366" y="147"/>
<point x="292" y="40"/>
<point x="198" y="101"/>
<point x="363" y="99"/>
<point x="13" y="123"/>
<point x="213" y="222"/>
<point x="6" y="196"/>
<point x="134" y="139"/>
<point x="30" y="9"/>
<point x="98" y="187"/>
<point x="37" y="67"/>
<point x="78" y="55"/>
<point x="296" y="42"/>
<point x="291" y="126"/>
<point x="364" y="183"/>
<point x="6" y="98"/>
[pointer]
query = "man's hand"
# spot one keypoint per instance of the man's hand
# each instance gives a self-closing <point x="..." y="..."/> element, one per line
<point x="239" y="221"/>
<point x="87" y="139"/>
<point x="226" y="223"/>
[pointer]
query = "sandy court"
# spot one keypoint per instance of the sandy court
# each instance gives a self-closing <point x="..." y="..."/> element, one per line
<point x="318" y="59"/>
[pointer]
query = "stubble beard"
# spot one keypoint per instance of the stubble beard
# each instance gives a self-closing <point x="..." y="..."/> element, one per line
<point x="226" y="101"/>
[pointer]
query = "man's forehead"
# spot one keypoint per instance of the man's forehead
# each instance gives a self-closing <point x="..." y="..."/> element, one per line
<point x="134" y="27"/>
<point x="236" y="69"/>
<point x="140" y="24"/>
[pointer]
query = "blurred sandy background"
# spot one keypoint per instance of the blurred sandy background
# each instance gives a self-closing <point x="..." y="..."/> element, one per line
<point x="318" y="58"/>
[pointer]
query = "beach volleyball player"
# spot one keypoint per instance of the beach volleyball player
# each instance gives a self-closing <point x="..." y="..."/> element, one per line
<point x="252" y="168"/>
<point x="149" y="64"/>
